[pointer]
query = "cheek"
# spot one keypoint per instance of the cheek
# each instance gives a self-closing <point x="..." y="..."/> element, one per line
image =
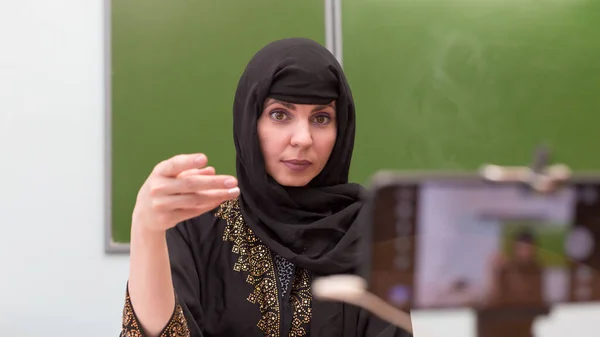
<point x="270" y="141"/>
<point x="263" y="136"/>
<point x="326" y="143"/>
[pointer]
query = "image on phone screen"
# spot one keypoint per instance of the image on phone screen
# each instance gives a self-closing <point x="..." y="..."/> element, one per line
<point x="441" y="244"/>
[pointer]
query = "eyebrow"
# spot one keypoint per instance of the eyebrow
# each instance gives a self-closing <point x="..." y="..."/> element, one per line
<point x="293" y="106"/>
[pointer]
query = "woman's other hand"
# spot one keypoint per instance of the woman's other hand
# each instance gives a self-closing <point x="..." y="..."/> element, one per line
<point x="178" y="189"/>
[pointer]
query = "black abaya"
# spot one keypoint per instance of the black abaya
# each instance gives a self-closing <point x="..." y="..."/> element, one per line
<point x="227" y="284"/>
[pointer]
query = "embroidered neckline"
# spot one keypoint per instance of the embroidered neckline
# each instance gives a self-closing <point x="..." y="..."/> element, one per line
<point x="256" y="259"/>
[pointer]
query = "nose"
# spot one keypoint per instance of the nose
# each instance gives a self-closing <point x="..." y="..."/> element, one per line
<point x="301" y="135"/>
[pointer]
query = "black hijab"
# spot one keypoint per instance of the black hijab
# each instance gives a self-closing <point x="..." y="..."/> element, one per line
<point x="315" y="226"/>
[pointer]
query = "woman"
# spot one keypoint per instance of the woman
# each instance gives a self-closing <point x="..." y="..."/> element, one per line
<point x="207" y="260"/>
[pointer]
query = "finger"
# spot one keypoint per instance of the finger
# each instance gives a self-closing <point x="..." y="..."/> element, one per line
<point x="161" y="186"/>
<point x="169" y="203"/>
<point x="209" y="170"/>
<point x="182" y="214"/>
<point x="177" y="164"/>
<point x="191" y="184"/>
<point x="222" y="195"/>
<point x="194" y="201"/>
<point x="213" y="198"/>
<point x="194" y="184"/>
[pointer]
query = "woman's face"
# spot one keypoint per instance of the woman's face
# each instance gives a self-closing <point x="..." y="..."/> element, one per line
<point x="296" y="140"/>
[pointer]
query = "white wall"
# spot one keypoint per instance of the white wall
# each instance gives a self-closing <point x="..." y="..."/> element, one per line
<point x="54" y="277"/>
<point x="51" y="181"/>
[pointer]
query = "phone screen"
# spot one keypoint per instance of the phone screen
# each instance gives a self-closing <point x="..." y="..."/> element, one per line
<point x="448" y="244"/>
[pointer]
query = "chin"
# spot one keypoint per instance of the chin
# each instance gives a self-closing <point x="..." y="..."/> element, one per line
<point x="292" y="181"/>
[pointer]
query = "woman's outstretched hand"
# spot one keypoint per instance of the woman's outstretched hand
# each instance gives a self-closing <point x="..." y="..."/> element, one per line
<point x="178" y="189"/>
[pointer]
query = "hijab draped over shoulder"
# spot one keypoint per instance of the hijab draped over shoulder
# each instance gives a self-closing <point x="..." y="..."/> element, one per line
<point x="315" y="227"/>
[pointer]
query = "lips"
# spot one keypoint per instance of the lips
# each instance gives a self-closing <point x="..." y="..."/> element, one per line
<point x="297" y="165"/>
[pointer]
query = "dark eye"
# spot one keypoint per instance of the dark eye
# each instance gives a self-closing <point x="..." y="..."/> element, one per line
<point x="322" y="119"/>
<point x="278" y="115"/>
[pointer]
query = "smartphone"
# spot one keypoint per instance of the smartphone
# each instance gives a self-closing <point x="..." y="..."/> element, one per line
<point x="438" y="241"/>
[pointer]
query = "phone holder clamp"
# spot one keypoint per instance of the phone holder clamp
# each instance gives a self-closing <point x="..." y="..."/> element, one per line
<point x="539" y="177"/>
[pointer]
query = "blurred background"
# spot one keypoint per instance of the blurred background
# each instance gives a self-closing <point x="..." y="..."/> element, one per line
<point x="94" y="94"/>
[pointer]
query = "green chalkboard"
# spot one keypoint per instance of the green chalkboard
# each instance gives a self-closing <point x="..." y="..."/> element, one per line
<point x="175" y="65"/>
<point x="438" y="84"/>
<point x="454" y="84"/>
